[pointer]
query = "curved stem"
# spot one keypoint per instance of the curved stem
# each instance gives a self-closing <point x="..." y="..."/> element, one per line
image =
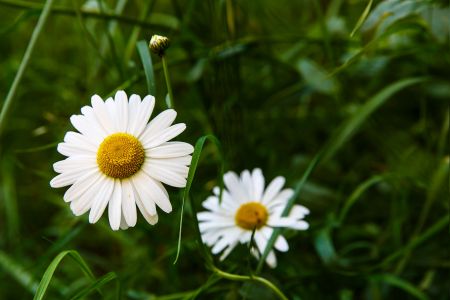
<point x="169" y="86"/>
<point x="261" y="280"/>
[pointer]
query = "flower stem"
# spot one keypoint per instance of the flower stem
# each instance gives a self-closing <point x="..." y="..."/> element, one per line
<point x="23" y="65"/>
<point x="169" y="86"/>
<point x="261" y="280"/>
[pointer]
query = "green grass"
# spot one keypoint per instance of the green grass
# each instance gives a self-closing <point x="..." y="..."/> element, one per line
<point x="349" y="100"/>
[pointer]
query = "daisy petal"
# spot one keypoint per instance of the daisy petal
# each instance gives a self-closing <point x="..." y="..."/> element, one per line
<point x="82" y="185"/>
<point x="102" y="114"/>
<point x="258" y="184"/>
<point x="128" y="203"/>
<point x="143" y="114"/>
<point x="170" y="174"/>
<point x="121" y="111"/>
<point x="114" y="207"/>
<point x="101" y="200"/>
<point x="235" y="187"/>
<point x="170" y="149"/>
<point x="164" y="135"/>
<point x="133" y="110"/>
<point x="160" y="122"/>
<point x="273" y="189"/>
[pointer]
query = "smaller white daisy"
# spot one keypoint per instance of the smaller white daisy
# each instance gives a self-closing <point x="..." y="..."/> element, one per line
<point x="245" y="207"/>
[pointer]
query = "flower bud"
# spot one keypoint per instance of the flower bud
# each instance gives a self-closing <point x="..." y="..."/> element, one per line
<point x="159" y="44"/>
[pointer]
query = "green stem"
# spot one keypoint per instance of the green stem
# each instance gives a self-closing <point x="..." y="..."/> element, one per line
<point x="70" y="12"/>
<point x="167" y="77"/>
<point x="261" y="280"/>
<point x="23" y="65"/>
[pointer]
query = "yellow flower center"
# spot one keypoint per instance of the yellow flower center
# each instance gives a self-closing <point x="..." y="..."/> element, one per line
<point x="120" y="155"/>
<point x="251" y="215"/>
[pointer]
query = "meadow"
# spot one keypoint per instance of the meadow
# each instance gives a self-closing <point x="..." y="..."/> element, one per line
<point x="348" y="100"/>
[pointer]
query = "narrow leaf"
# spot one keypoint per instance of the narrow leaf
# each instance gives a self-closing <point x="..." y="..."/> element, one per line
<point x="146" y="59"/>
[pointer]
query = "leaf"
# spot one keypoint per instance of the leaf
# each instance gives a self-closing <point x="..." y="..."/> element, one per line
<point x="146" y="59"/>
<point x="317" y="78"/>
<point x="48" y="275"/>
<point x="388" y="12"/>
<point x="194" y="163"/>
<point x="324" y="246"/>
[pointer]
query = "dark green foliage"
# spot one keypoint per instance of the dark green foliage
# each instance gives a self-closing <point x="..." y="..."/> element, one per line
<point x="356" y="93"/>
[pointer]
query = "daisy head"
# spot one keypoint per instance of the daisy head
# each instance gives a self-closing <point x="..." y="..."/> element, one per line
<point x="120" y="160"/>
<point x="248" y="206"/>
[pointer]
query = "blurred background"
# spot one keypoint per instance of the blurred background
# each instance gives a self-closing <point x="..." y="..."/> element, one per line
<point x="365" y="83"/>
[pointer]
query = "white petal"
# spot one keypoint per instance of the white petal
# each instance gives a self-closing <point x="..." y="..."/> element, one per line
<point x="229" y="238"/>
<point x="211" y="203"/>
<point x="114" y="207"/>
<point x="235" y="188"/>
<point x="111" y="107"/>
<point x="170" y="149"/>
<point x="228" y="250"/>
<point x="247" y="182"/>
<point x="75" y="163"/>
<point x="298" y="212"/>
<point x="143" y="114"/>
<point x="71" y="177"/>
<point x="83" y="203"/>
<point x="258" y="184"/>
<point x="133" y="111"/>
<point x="151" y="219"/>
<point x="273" y="189"/>
<point x="80" y="141"/>
<point x="101" y="199"/>
<point x="128" y="203"/>
<point x="260" y="240"/>
<point x="82" y="185"/>
<point x="151" y="190"/>
<point x="142" y="189"/>
<point x="280" y="243"/>
<point x="159" y="123"/>
<point x="121" y="111"/>
<point x="88" y="126"/>
<point x="271" y="259"/>
<point x="102" y="114"/>
<point x="288" y="223"/>
<point x="163" y="136"/>
<point x="166" y="172"/>
<point x="123" y="223"/>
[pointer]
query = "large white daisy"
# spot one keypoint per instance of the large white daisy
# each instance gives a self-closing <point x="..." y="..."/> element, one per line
<point x="119" y="160"/>
<point x="246" y="207"/>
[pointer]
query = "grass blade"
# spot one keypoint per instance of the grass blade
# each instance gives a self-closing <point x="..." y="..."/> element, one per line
<point x="362" y="18"/>
<point x="348" y="129"/>
<point x="24" y="63"/>
<point x="194" y="163"/>
<point x="48" y="275"/>
<point x="402" y="284"/>
<point x="146" y="59"/>
<point x="95" y="285"/>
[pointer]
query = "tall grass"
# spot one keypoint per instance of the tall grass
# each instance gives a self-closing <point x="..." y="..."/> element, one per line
<point x="349" y="100"/>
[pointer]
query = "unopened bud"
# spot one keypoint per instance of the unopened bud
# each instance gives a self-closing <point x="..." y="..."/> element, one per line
<point x="159" y="44"/>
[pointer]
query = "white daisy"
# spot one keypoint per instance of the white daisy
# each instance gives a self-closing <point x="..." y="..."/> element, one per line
<point x="118" y="159"/>
<point x="245" y="207"/>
